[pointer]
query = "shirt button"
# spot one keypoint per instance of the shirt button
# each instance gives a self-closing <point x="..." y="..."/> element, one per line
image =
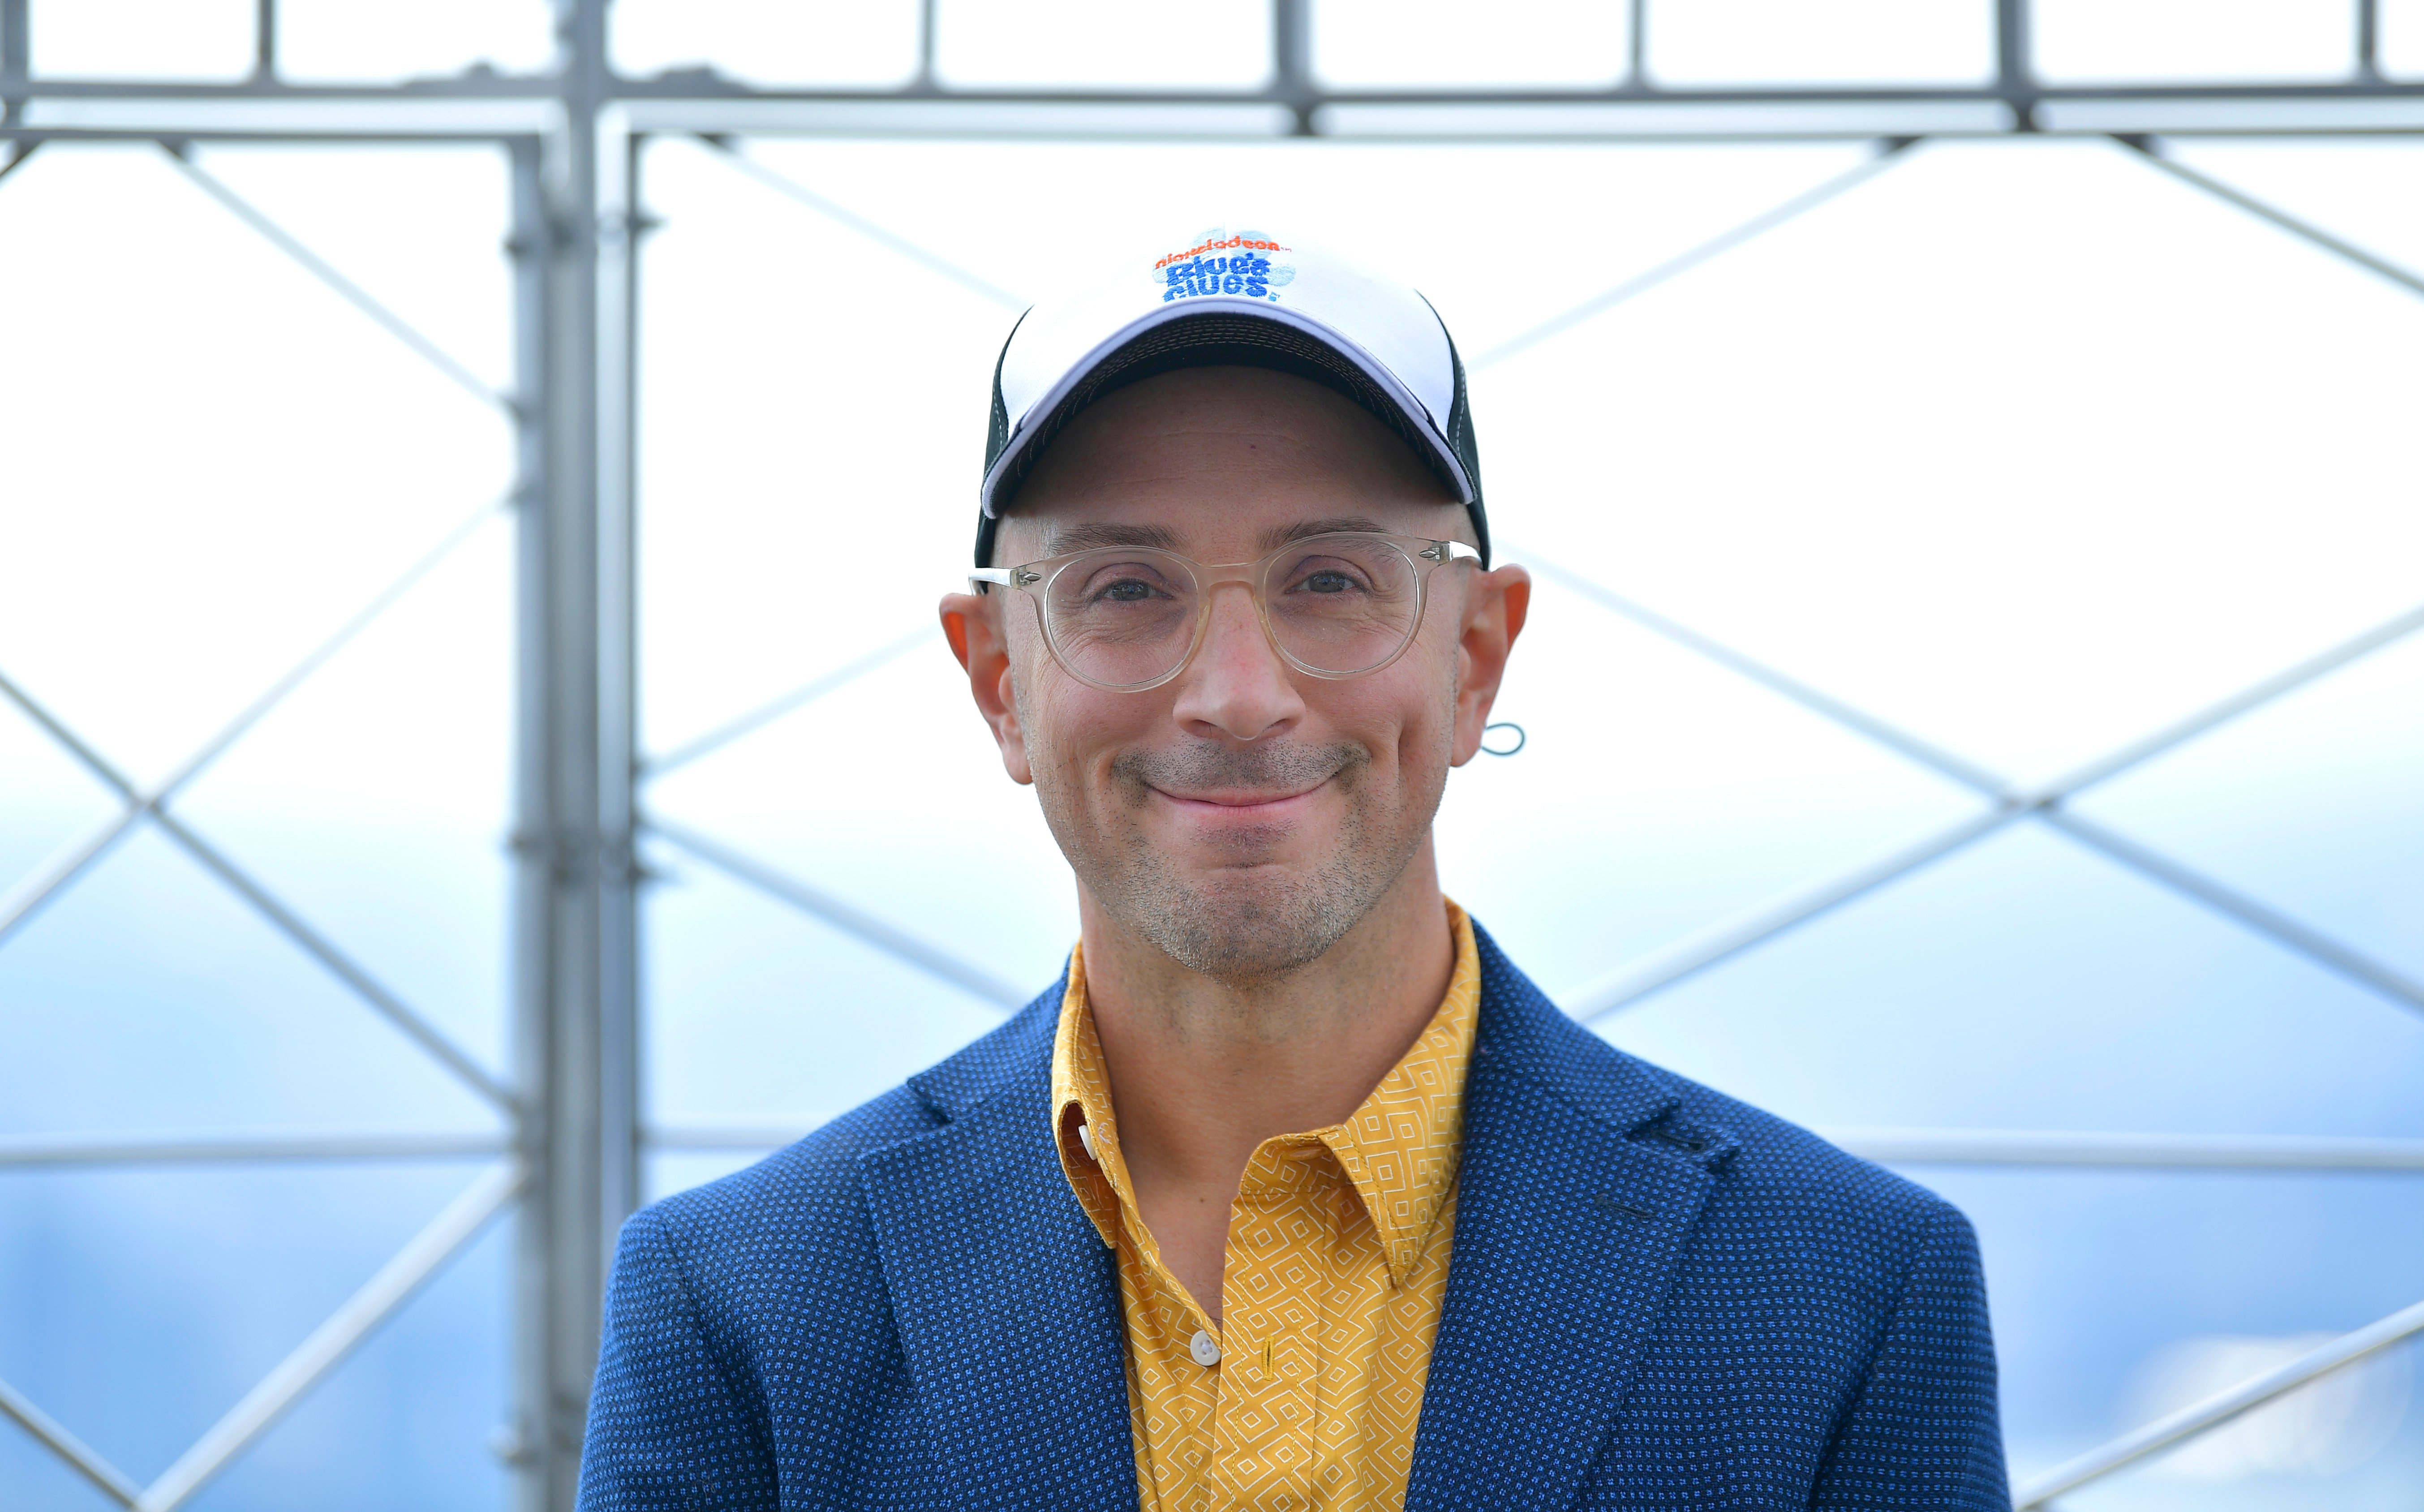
<point x="1086" y="1138"/>
<point x="1206" y="1352"/>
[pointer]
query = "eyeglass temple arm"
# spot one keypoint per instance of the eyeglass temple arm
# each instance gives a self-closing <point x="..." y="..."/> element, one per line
<point x="1441" y="551"/>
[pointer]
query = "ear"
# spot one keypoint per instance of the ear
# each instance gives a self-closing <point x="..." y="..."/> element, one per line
<point x="972" y="622"/>
<point x="1495" y="604"/>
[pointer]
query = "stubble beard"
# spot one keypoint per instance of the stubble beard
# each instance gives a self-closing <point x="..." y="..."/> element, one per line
<point x="1247" y="920"/>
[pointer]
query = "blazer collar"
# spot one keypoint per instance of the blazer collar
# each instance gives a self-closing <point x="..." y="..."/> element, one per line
<point x="1579" y="1189"/>
<point x="1580" y="1182"/>
<point x="1007" y="1302"/>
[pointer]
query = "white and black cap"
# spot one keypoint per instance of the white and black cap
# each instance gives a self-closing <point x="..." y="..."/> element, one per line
<point x="1228" y="297"/>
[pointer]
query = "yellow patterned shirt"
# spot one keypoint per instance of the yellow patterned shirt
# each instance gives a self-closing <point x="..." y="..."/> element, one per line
<point x="1306" y="1396"/>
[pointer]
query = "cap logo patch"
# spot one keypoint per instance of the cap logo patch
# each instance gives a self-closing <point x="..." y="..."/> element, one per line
<point x="1224" y="264"/>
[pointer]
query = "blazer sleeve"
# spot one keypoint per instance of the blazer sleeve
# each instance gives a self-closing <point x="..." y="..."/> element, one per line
<point x="673" y="1425"/>
<point x="1925" y="1430"/>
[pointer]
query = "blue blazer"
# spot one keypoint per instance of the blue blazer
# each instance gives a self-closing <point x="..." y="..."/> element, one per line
<point x="1659" y="1298"/>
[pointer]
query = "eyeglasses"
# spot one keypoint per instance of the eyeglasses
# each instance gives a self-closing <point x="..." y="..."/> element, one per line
<point x="1126" y="618"/>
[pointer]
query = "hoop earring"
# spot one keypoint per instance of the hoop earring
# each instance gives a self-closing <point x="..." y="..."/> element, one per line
<point x="1503" y="724"/>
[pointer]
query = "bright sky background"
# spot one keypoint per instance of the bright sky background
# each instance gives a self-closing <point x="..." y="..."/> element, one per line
<point x="2022" y="445"/>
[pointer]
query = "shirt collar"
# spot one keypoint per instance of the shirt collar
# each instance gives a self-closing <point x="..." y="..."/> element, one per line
<point x="1399" y="1149"/>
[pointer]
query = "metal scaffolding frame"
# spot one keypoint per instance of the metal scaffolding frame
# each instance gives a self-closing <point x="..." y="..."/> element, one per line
<point x="565" y="1154"/>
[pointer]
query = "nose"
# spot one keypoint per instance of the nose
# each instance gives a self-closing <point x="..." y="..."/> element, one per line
<point x="1236" y="685"/>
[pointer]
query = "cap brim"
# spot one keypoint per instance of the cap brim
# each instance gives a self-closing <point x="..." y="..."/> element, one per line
<point x="1219" y="332"/>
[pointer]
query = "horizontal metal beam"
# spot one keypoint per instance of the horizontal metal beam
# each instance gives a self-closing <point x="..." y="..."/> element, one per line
<point x="702" y="84"/>
<point x="2218" y="1409"/>
<point x="2146" y="1151"/>
<point x="35" y="1150"/>
<point x="243" y="112"/>
<point x="428" y="1252"/>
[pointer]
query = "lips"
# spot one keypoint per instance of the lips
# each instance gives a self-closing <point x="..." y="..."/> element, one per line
<point x="1240" y="801"/>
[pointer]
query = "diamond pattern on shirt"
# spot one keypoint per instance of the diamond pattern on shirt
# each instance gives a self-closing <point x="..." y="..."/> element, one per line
<point x="1337" y="1266"/>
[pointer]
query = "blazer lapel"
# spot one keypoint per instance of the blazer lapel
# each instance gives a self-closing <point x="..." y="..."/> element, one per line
<point x="1569" y="1228"/>
<point x="1006" y="1298"/>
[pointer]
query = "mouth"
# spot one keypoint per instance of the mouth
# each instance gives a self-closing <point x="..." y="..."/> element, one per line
<point x="1248" y="803"/>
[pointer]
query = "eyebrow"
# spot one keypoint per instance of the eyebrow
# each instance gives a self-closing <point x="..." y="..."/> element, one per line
<point x="1059" y="542"/>
<point x="1074" y="538"/>
<point x="1275" y="538"/>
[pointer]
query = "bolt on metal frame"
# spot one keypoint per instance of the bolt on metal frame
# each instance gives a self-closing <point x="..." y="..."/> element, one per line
<point x="566" y="1157"/>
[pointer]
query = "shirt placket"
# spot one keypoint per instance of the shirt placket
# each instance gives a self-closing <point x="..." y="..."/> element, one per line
<point x="1267" y="1431"/>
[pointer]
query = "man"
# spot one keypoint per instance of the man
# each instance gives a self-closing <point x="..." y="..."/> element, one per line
<point x="1293" y="1193"/>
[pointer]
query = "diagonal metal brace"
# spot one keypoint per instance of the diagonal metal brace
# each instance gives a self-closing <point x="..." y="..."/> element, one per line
<point x="889" y="240"/>
<point x="283" y="918"/>
<point x="2218" y="1409"/>
<point x="775" y="709"/>
<point x="841" y="916"/>
<point x="447" y="1235"/>
<point x="1888" y="152"/>
<point x="2151" y="149"/>
<point x="346" y="289"/>
<point x="112" y="1482"/>
<point x="1739" y="932"/>
<point x="21" y="901"/>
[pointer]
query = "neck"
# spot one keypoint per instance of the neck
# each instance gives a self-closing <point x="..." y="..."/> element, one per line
<point x="1204" y="1070"/>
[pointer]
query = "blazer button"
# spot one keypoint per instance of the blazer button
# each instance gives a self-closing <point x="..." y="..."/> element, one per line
<point x="1206" y="1352"/>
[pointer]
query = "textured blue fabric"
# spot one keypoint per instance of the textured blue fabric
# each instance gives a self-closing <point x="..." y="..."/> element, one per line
<point x="1659" y="1298"/>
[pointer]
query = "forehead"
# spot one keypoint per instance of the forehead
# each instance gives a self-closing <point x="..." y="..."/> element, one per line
<point x="1224" y="459"/>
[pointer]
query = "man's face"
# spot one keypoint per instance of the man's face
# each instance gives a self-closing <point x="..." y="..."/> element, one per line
<point x="1243" y="815"/>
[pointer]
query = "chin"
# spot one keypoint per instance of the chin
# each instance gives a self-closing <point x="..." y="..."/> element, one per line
<point x="1253" y="922"/>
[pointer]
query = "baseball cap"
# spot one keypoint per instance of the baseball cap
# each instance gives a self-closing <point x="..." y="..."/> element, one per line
<point x="1225" y="297"/>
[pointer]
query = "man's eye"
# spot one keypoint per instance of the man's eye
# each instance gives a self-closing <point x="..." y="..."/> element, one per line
<point x="1126" y="591"/>
<point x="1328" y="583"/>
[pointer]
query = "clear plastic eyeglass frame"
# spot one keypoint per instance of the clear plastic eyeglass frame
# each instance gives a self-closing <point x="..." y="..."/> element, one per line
<point x="1037" y="580"/>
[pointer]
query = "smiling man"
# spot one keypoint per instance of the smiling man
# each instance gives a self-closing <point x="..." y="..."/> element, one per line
<point x="1293" y="1193"/>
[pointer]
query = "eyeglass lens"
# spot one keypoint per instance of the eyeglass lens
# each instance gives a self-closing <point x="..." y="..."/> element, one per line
<point x="1123" y="617"/>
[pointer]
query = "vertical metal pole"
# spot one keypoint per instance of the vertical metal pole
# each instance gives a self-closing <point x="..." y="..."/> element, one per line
<point x="15" y="60"/>
<point x="265" y="41"/>
<point x="1292" y="60"/>
<point x="619" y="225"/>
<point x="553" y="897"/>
<point x="575" y="951"/>
<point x="2015" y="74"/>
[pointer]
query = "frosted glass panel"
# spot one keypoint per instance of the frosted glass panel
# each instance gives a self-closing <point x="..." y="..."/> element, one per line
<point x="1836" y="41"/>
<point x="2081" y="42"/>
<point x="352" y="41"/>
<point x="2401" y="44"/>
<point x="1100" y="43"/>
<point x="768" y="42"/>
<point x="195" y="40"/>
<point x="1417" y="42"/>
